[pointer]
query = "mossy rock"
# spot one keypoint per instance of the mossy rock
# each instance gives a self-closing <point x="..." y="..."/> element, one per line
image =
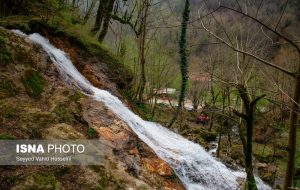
<point x="8" y="110"/>
<point x="5" y="54"/>
<point x="106" y="179"/>
<point x="266" y="158"/>
<point x="34" y="83"/>
<point x="267" y="176"/>
<point x="42" y="182"/>
<point x="35" y="121"/>
<point x="64" y="113"/>
<point x="21" y="56"/>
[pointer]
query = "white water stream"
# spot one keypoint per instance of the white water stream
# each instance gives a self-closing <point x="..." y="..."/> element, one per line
<point x="195" y="167"/>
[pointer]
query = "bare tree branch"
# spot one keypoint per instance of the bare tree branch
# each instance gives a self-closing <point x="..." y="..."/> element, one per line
<point x="264" y="25"/>
<point x="249" y="54"/>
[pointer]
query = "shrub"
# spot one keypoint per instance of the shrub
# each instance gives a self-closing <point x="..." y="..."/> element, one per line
<point x="92" y="133"/>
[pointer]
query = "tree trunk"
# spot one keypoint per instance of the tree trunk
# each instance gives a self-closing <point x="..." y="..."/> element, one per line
<point x="249" y="106"/>
<point x="292" y="135"/>
<point x="107" y="17"/>
<point x="99" y="16"/>
<point x="142" y="83"/>
<point x="251" y="184"/>
<point x="183" y="60"/>
<point x="89" y="12"/>
<point x="2" y="8"/>
<point x="219" y="141"/>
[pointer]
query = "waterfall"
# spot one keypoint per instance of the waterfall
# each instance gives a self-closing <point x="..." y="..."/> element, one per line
<point x="195" y="167"/>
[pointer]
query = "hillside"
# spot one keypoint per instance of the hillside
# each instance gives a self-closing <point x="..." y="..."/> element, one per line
<point x="37" y="104"/>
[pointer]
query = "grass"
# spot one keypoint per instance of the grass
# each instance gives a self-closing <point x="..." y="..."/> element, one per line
<point x="33" y="83"/>
<point x="4" y="136"/>
<point x="76" y="96"/>
<point x="7" y="88"/>
<point x="7" y="110"/>
<point x="263" y="152"/>
<point x="44" y="181"/>
<point x="65" y="115"/>
<point x="106" y="179"/>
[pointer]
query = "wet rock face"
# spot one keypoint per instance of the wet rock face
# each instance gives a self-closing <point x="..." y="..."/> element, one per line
<point x="61" y="112"/>
<point x="135" y="156"/>
<point x="157" y="166"/>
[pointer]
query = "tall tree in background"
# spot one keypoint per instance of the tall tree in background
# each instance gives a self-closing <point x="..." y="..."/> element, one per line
<point x="136" y="17"/>
<point x="103" y="17"/>
<point x="89" y="11"/>
<point x="183" y="60"/>
<point x="142" y="47"/>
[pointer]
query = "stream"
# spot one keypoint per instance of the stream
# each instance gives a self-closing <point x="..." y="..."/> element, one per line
<point x="195" y="167"/>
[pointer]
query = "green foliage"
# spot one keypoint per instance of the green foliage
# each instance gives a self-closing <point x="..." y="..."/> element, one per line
<point x="92" y="133"/>
<point x="17" y="21"/>
<point x="54" y="3"/>
<point x="263" y="103"/>
<point x="76" y="96"/>
<point x="263" y="153"/>
<point x="64" y="113"/>
<point x="43" y="182"/>
<point x="4" y="136"/>
<point x="33" y="83"/>
<point x="107" y="180"/>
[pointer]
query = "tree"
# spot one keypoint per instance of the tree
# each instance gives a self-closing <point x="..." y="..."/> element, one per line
<point x="136" y="17"/>
<point x="89" y="11"/>
<point x="249" y="106"/>
<point x="104" y="14"/>
<point x="142" y="46"/>
<point x="183" y="60"/>
<point x="293" y="121"/>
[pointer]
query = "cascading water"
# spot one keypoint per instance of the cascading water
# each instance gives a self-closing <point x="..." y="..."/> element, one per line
<point x="196" y="168"/>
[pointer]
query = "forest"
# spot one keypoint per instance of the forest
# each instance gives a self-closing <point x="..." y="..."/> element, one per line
<point x="189" y="94"/>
